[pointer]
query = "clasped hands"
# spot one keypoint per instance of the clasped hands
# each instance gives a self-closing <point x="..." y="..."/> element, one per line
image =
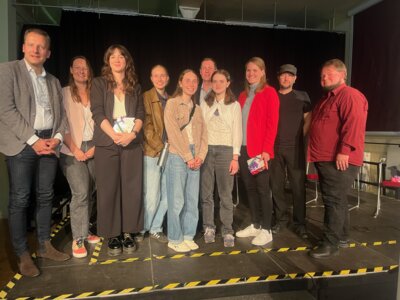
<point x="46" y="146"/>
<point x="194" y="163"/>
<point x="123" y="139"/>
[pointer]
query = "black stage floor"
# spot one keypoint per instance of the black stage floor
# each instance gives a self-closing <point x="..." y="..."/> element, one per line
<point x="368" y="269"/>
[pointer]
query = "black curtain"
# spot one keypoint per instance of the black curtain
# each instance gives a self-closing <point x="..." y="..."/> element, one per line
<point x="376" y="63"/>
<point x="180" y="44"/>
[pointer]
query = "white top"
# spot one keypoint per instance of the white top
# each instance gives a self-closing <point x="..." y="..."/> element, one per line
<point x="44" y="114"/>
<point x="224" y="124"/>
<point x="88" y="127"/>
<point x="119" y="107"/>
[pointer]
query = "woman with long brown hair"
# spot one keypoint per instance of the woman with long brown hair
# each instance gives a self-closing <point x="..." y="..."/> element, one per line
<point x="77" y="153"/>
<point x="187" y="136"/>
<point x="260" y="114"/>
<point x="118" y="113"/>
<point x="223" y="117"/>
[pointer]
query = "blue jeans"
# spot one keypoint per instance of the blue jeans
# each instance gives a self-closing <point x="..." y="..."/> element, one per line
<point x="154" y="195"/>
<point x="183" y="196"/>
<point x="25" y="169"/>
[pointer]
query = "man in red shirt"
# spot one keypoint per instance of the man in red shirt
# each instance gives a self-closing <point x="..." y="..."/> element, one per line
<point x="336" y="146"/>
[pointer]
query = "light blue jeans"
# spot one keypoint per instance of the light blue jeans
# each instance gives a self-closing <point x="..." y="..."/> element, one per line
<point x="155" y="195"/>
<point x="183" y="196"/>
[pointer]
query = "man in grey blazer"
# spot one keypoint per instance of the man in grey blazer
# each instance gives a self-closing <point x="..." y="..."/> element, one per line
<point x="32" y="124"/>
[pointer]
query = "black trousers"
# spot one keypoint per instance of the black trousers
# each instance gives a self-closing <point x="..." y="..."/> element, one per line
<point x="290" y="161"/>
<point x="335" y="185"/>
<point x="119" y="178"/>
<point x="258" y="193"/>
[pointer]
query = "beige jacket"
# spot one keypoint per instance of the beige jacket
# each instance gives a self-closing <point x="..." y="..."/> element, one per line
<point x="176" y="115"/>
<point x="76" y="121"/>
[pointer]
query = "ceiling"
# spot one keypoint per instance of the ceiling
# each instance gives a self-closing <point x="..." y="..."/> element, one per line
<point x="305" y="14"/>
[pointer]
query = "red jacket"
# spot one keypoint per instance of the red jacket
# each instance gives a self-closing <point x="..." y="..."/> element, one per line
<point x="262" y="123"/>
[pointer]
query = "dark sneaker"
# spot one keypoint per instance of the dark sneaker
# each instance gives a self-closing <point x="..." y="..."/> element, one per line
<point x="301" y="231"/>
<point x="128" y="243"/>
<point x="114" y="246"/>
<point x="159" y="237"/>
<point x="324" y="251"/>
<point x="139" y="237"/>
<point x="276" y="228"/>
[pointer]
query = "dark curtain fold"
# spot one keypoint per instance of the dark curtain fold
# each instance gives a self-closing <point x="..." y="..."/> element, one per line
<point x="180" y="44"/>
<point x="376" y="63"/>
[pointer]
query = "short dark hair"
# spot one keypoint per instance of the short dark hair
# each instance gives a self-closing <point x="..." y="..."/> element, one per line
<point x="38" y="31"/>
<point x="209" y="59"/>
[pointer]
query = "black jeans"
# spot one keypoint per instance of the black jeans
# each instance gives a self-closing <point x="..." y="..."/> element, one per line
<point x="24" y="169"/>
<point x="291" y="159"/>
<point x="335" y="185"/>
<point x="258" y="192"/>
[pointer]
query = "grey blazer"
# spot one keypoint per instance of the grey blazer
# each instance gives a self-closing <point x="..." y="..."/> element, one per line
<point x="18" y="108"/>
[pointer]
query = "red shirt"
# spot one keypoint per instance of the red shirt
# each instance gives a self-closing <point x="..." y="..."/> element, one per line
<point x="338" y="126"/>
<point x="262" y="123"/>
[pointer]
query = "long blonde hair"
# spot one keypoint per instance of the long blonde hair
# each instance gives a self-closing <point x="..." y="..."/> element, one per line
<point x="259" y="62"/>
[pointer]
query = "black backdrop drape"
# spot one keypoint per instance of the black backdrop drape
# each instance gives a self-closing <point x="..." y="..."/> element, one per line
<point x="376" y="63"/>
<point x="180" y="44"/>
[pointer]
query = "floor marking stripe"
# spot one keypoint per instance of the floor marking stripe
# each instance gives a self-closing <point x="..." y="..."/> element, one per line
<point x="96" y="253"/>
<point x="215" y="282"/>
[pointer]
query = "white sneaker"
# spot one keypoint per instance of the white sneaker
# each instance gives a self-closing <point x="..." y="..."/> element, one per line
<point x="181" y="247"/>
<point x="248" y="231"/>
<point x="191" y="244"/>
<point x="264" y="237"/>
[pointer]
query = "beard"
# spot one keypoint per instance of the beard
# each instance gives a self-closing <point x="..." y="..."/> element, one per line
<point x="329" y="88"/>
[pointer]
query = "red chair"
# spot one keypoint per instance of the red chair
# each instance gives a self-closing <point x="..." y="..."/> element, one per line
<point x="313" y="178"/>
<point x="383" y="184"/>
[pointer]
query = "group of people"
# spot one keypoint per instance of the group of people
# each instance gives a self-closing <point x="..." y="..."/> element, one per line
<point x="110" y="137"/>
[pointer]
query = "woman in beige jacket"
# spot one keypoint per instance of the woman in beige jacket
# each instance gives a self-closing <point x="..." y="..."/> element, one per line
<point x="77" y="153"/>
<point x="187" y="136"/>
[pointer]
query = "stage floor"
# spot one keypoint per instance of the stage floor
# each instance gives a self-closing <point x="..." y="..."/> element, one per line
<point x="281" y="270"/>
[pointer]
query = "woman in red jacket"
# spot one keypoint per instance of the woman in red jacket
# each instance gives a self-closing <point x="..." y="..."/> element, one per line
<point x="260" y="113"/>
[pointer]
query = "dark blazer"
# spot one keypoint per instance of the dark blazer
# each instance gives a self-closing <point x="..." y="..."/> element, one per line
<point x="18" y="106"/>
<point x="102" y="106"/>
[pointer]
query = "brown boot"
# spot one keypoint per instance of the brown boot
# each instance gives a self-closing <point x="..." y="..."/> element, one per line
<point x="47" y="250"/>
<point x="26" y="265"/>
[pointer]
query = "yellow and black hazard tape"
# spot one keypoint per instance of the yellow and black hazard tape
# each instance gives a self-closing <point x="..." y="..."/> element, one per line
<point x="96" y="253"/>
<point x="218" y="282"/>
<point x="59" y="226"/>
<point x="7" y="288"/>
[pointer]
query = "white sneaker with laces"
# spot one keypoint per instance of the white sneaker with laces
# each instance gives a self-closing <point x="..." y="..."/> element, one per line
<point x="264" y="237"/>
<point x="191" y="244"/>
<point x="181" y="247"/>
<point x="248" y="231"/>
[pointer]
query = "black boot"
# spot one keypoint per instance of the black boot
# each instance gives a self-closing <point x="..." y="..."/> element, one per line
<point x="114" y="246"/>
<point x="128" y="243"/>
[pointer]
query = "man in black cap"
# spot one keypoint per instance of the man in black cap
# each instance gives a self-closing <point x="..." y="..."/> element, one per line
<point x="294" y="122"/>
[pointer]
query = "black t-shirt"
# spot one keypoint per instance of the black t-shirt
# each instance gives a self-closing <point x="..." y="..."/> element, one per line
<point x="291" y="118"/>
